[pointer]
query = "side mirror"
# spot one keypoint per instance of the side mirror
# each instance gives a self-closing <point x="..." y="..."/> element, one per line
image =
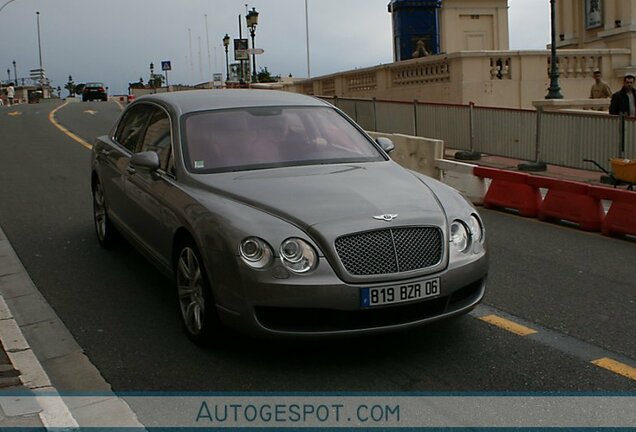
<point x="386" y="144"/>
<point x="148" y="160"/>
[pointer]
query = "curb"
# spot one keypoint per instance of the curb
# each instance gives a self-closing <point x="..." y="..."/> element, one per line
<point x="24" y="315"/>
<point x="52" y="409"/>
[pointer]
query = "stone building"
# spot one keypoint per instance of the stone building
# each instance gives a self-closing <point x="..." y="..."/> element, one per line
<point x="473" y="62"/>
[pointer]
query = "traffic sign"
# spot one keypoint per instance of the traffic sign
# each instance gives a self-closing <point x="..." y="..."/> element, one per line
<point x="165" y="65"/>
<point x="256" y="51"/>
<point x="240" y="49"/>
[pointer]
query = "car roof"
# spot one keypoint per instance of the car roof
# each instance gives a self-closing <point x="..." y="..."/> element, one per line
<point x="184" y="102"/>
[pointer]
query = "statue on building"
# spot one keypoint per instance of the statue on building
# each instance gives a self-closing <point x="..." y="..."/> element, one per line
<point x="420" y="49"/>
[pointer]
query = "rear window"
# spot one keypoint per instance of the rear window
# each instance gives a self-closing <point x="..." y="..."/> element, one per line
<point x="250" y="138"/>
<point x="94" y="85"/>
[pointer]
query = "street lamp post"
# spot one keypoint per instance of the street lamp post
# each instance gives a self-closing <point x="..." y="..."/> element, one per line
<point x="15" y="73"/>
<point x="40" y="51"/>
<point x="226" y="44"/>
<point x="252" y="22"/>
<point x="554" y="92"/>
<point x="152" y="75"/>
<point x="307" y="36"/>
<point x="9" y="74"/>
<point x="5" y="4"/>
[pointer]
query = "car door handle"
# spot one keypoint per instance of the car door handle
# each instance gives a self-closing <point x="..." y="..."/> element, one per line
<point x="131" y="170"/>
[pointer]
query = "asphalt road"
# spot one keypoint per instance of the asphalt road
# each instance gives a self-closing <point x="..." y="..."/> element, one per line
<point x="124" y="313"/>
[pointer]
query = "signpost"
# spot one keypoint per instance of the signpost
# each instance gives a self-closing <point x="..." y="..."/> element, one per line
<point x="240" y="55"/>
<point x="166" y="66"/>
<point x="255" y="51"/>
<point x="217" y="80"/>
<point x="37" y="75"/>
<point x="240" y="49"/>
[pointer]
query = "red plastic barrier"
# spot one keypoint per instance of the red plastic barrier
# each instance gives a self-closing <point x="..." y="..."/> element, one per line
<point x="569" y="201"/>
<point x="510" y="190"/>
<point x="621" y="216"/>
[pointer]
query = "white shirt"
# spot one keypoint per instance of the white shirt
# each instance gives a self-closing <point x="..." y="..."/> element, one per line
<point x="632" y="107"/>
<point x="10" y="92"/>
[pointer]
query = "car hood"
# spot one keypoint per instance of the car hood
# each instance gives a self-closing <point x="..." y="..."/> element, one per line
<point x="337" y="198"/>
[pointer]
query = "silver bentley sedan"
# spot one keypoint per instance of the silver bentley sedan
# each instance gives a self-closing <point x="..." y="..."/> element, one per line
<point x="275" y="214"/>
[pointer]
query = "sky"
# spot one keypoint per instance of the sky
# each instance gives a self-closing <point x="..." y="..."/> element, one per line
<point x="114" y="41"/>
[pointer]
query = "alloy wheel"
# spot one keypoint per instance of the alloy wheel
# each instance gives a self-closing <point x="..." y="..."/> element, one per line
<point x="99" y="212"/>
<point x="190" y="286"/>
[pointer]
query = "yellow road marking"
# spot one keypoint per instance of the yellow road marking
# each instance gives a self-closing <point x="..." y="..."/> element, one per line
<point x="616" y="367"/>
<point x="121" y="107"/>
<point x="508" y="325"/>
<point x="91" y="112"/>
<point x="14" y="113"/>
<point x="66" y="131"/>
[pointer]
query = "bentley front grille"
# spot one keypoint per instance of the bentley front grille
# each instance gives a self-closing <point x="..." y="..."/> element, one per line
<point x="388" y="251"/>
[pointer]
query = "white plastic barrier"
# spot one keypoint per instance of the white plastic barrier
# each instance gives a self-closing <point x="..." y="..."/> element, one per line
<point x="459" y="175"/>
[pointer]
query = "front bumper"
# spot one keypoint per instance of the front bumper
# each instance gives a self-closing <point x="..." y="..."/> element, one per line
<point x="323" y="305"/>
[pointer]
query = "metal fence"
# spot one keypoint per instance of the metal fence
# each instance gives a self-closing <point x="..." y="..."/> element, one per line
<point x="565" y="138"/>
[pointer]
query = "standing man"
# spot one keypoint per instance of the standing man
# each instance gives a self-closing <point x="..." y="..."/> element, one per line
<point x="600" y="89"/>
<point x="10" y="94"/>
<point x="624" y="100"/>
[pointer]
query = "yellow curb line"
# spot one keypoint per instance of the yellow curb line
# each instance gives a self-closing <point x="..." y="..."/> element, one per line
<point x="616" y="367"/>
<point x="66" y="131"/>
<point x="121" y="107"/>
<point x="508" y="325"/>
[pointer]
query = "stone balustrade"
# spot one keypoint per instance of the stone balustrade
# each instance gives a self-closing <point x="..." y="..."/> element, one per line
<point x="511" y="79"/>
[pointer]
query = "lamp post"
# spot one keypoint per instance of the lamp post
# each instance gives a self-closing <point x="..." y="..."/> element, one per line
<point x="307" y="35"/>
<point x="252" y="22"/>
<point x="40" y="51"/>
<point x="9" y="74"/>
<point x="554" y="92"/>
<point x="152" y="75"/>
<point x="5" y="4"/>
<point x="226" y="44"/>
<point x="15" y="73"/>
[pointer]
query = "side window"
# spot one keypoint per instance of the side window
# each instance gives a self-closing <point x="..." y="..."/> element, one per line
<point x="131" y="128"/>
<point x="157" y="137"/>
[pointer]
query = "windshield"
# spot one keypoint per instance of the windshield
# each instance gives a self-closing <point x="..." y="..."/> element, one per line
<point x="248" y="138"/>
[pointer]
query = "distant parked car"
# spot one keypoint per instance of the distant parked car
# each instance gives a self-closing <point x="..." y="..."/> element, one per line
<point x="276" y="214"/>
<point x="94" y="91"/>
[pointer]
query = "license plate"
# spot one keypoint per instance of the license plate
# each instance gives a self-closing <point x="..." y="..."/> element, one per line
<point x="399" y="293"/>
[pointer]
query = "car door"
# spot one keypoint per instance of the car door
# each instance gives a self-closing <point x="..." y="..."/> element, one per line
<point x="114" y="158"/>
<point x="148" y="212"/>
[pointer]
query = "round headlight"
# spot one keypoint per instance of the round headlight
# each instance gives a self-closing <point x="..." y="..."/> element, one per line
<point x="297" y="255"/>
<point x="255" y="252"/>
<point x="459" y="237"/>
<point x="476" y="229"/>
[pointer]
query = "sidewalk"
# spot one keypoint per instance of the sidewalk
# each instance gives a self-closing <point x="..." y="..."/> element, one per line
<point x="13" y="413"/>
<point x="20" y="372"/>
<point x="38" y="356"/>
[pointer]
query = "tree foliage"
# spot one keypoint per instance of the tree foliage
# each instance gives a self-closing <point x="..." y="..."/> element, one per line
<point x="264" y="76"/>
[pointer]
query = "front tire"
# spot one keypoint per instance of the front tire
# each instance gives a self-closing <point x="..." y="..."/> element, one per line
<point x="106" y="232"/>
<point x="196" y="303"/>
